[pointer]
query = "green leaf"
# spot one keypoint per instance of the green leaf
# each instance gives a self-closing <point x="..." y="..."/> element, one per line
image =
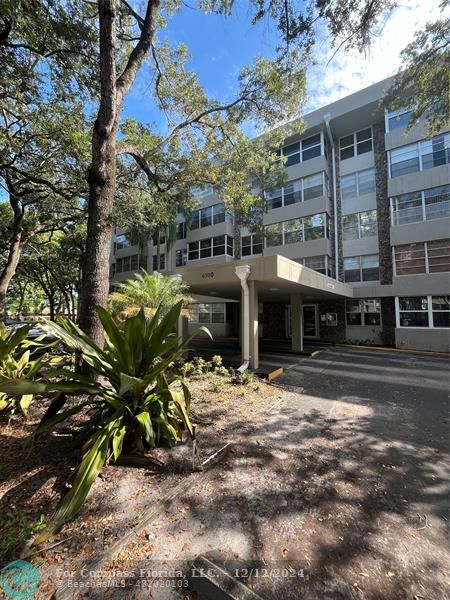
<point x="117" y="441"/>
<point x="144" y="420"/>
<point x="130" y="384"/>
<point x="178" y="400"/>
<point x="25" y="402"/>
<point x="91" y="465"/>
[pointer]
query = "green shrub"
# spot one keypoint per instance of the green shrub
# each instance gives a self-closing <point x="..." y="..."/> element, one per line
<point x="132" y="403"/>
<point x="199" y="367"/>
<point x="16" y="363"/>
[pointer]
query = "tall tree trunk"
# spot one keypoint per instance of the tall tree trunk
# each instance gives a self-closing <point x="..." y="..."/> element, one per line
<point x="102" y="173"/>
<point x="102" y="180"/>
<point x="14" y="252"/>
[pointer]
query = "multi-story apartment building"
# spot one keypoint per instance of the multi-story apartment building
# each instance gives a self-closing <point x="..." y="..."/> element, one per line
<point x="356" y="244"/>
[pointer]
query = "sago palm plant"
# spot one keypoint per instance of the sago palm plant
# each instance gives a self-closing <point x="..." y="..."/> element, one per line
<point x="147" y="291"/>
<point x="133" y="404"/>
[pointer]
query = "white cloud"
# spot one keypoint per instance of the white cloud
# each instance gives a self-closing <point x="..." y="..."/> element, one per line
<point x="349" y="72"/>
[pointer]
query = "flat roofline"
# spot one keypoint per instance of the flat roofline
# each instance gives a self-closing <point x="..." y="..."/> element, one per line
<point x="277" y="275"/>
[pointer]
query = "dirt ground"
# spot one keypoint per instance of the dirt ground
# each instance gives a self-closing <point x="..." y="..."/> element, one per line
<point x="335" y="487"/>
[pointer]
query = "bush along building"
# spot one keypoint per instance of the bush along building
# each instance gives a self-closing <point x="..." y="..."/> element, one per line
<point x="355" y="248"/>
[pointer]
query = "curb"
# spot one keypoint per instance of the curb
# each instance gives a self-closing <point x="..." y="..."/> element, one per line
<point x="396" y="350"/>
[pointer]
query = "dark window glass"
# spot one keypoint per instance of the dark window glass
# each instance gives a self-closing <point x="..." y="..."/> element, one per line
<point x="206" y="217"/>
<point x="354" y="319"/>
<point x="441" y="319"/>
<point x="370" y="268"/>
<point x="414" y="319"/>
<point x="372" y="318"/>
<point x="413" y="303"/>
<point x="218" y="245"/>
<point x="364" y="141"/>
<point x="311" y="147"/>
<point x="205" y="248"/>
<point x="352" y="269"/>
<point x="193" y="251"/>
<point x="230" y="245"/>
<point x="274" y="200"/>
<point x="181" y="231"/>
<point x="195" y="220"/>
<point x="219" y="214"/>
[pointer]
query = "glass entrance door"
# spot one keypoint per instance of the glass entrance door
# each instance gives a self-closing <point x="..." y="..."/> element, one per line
<point x="310" y="321"/>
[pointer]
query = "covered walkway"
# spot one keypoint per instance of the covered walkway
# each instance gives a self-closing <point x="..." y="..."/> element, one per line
<point x="264" y="279"/>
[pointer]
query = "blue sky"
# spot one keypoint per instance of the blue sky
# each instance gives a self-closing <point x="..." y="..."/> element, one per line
<point x="220" y="46"/>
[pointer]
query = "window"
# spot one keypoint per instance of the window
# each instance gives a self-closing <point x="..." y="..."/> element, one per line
<point x="410" y="259"/>
<point x="162" y="238"/>
<point x="359" y="225"/>
<point x="181" y="230"/>
<point x="437" y="202"/>
<point x="216" y="246"/>
<point x="292" y="153"/>
<point x="425" y="205"/>
<point x="355" y="144"/>
<point x="440" y="306"/>
<point x="398" y="119"/>
<point x="422" y="257"/>
<point x="404" y="160"/>
<point x="302" y="151"/>
<point x="424" y="311"/>
<point x="181" y="257"/>
<point x="420" y="156"/>
<point x="296" y="230"/>
<point x="208" y="313"/>
<point x="366" y="312"/>
<point x="298" y="190"/>
<point x="251" y="244"/>
<point x="357" y="184"/>
<point x="162" y="262"/>
<point x="205" y="248"/>
<point x="208" y="216"/>
<point x="130" y="263"/>
<point x="201" y="191"/>
<point x="274" y="235"/>
<point x="123" y="241"/>
<point x="361" y="268"/>
<point x="413" y="312"/>
<point x="313" y="186"/>
<point x="293" y="231"/>
<point x="438" y="255"/>
<point x="311" y="147"/>
<point x="317" y="263"/>
<point x="314" y="227"/>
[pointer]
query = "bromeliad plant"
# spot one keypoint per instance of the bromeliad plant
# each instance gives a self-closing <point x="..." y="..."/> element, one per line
<point x="133" y="404"/>
<point x="16" y="363"/>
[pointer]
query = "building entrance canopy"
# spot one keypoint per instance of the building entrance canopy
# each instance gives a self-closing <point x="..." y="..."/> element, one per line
<point x="267" y="278"/>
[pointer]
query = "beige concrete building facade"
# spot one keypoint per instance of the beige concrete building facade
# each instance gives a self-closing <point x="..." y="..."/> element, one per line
<point x="356" y="245"/>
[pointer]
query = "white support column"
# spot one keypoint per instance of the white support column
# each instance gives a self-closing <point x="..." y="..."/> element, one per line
<point x="243" y="271"/>
<point x="254" y="325"/>
<point x="297" y="322"/>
